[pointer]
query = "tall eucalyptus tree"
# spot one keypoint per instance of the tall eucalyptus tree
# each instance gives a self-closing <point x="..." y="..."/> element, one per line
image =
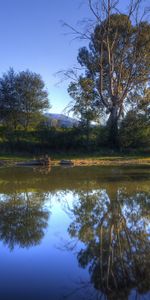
<point x="117" y="58"/>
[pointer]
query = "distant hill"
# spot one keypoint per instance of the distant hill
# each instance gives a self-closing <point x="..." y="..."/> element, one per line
<point x="60" y="120"/>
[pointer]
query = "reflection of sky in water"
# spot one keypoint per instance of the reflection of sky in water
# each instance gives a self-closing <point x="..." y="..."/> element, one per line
<point x="134" y="295"/>
<point x="49" y="270"/>
<point x="46" y="270"/>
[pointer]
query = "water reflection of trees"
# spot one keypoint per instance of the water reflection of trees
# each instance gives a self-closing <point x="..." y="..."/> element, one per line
<point x="22" y="219"/>
<point x="114" y="227"/>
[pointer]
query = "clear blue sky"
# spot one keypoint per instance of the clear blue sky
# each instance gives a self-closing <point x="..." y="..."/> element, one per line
<point x="32" y="37"/>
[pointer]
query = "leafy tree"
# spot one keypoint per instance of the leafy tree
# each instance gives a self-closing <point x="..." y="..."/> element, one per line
<point x="22" y="98"/>
<point x="9" y="101"/>
<point x="135" y="131"/>
<point x="84" y="97"/>
<point x="143" y="103"/>
<point x="117" y="59"/>
<point x="34" y="97"/>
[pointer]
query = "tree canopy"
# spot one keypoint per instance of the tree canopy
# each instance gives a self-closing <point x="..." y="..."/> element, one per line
<point x="22" y="97"/>
<point x="84" y="97"/>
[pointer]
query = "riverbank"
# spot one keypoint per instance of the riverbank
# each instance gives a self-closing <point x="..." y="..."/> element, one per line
<point x="118" y="161"/>
<point x="111" y="160"/>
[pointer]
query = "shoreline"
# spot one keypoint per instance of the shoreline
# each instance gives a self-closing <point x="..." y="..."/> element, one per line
<point x="106" y="161"/>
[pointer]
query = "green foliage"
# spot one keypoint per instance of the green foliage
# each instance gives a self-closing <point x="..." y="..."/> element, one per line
<point x="34" y="98"/>
<point x="84" y="96"/>
<point x="129" y="48"/>
<point x="9" y="100"/>
<point x="143" y="103"/>
<point x="117" y="61"/>
<point x="135" y="131"/>
<point x="22" y="99"/>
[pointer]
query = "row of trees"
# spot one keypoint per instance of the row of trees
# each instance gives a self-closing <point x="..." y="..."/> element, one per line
<point x="23" y="98"/>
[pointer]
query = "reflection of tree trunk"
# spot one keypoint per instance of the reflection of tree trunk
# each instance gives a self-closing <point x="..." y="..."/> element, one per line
<point x="121" y="253"/>
<point x="110" y="253"/>
<point x="116" y="224"/>
<point x="101" y="251"/>
<point x="27" y="201"/>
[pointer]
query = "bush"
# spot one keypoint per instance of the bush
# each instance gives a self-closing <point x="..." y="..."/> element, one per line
<point x="135" y="131"/>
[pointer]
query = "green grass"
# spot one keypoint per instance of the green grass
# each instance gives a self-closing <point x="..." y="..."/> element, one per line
<point x="98" y="155"/>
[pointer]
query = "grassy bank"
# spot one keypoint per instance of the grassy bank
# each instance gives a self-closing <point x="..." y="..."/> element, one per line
<point x="82" y="159"/>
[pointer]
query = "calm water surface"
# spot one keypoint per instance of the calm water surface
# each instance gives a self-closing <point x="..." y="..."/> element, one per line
<point x="75" y="233"/>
